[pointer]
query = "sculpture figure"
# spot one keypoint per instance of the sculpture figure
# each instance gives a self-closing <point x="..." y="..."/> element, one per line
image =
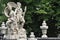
<point x="16" y="20"/>
<point x="9" y="13"/>
<point x="20" y="14"/>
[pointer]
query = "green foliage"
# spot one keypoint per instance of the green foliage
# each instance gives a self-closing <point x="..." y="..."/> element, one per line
<point x="41" y="11"/>
<point x="2" y="6"/>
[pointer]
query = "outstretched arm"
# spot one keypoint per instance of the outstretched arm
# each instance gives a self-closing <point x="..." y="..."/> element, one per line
<point x="24" y="11"/>
<point x="6" y="12"/>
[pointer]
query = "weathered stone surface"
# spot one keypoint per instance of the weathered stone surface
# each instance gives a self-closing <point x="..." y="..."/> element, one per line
<point x="44" y="28"/>
<point x="15" y="22"/>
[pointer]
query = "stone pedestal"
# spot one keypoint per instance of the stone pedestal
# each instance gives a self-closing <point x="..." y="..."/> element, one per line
<point x="22" y="34"/>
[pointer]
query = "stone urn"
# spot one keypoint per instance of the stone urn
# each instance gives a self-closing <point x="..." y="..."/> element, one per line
<point x="3" y="29"/>
<point x="44" y="28"/>
<point x="32" y="36"/>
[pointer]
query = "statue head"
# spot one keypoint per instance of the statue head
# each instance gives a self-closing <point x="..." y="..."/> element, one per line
<point x="19" y="4"/>
<point x="11" y="5"/>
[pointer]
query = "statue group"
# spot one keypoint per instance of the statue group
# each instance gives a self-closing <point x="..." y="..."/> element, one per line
<point x="15" y="22"/>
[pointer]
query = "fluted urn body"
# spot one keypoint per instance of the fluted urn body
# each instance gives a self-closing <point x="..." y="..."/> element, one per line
<point x="44" y="28"/>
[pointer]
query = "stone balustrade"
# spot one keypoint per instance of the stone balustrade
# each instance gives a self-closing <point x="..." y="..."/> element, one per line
<point x="50" y="38"/>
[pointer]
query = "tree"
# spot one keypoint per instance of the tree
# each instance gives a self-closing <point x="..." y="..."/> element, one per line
<point x="2" y="6"/>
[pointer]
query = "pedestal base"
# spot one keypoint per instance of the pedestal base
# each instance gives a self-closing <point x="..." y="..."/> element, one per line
<point x="11" y="37"/>
<point x="22" y="34"/>
<point x="44" y="36"/>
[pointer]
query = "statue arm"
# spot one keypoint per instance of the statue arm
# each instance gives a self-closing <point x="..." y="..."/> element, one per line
<point x="24" y="11"/>
<point x="6" y="12"/>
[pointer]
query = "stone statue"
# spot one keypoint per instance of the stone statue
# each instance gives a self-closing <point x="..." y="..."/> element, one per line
<point x="21" y="21"/>
<point x="11" y="24"/>
<point x="9" y="13"/>
<point x="16" y="20"/>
